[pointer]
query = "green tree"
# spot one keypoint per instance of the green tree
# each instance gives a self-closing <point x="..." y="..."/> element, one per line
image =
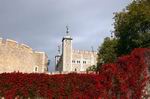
<point x="107" y="51"/>
<point x="132" y="27"/>
<point x="92" y="68"/>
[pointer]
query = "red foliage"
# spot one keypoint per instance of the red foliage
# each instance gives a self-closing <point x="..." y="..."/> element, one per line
<point x="43" y="85"/>
<point x="122" y="80"/>
<point x="127" y="77"/>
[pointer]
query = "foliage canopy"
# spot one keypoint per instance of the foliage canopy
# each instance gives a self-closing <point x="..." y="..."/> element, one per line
<point x="132" y="27"/>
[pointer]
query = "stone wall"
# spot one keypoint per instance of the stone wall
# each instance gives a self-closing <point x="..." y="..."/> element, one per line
<point x="74" y="60"/>
<point x="81" y="60"/>
<point x="66" y="53"/>
<point x="59" y="63"/>
<point x="20" y="57"/>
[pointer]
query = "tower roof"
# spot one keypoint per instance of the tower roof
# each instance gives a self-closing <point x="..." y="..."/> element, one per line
<point x="67" y="31"/>
<point x="68" y="37"/>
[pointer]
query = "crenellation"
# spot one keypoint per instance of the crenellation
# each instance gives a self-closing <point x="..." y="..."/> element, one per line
<point x="1" y="39"/>
<point x="84" y="52"/>
<point x="38" y="52"/>
<point x="26" y="48"/>
<point x="11" y="43"/>
<point x="20" y="57"/>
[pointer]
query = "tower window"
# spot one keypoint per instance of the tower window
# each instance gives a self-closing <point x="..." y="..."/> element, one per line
<point x="84" y="62"/>
<point x="73" y="61"/>
<point x="36" y="69"/>
<point x="78" y="61"/>
<point x="75" y="69"/>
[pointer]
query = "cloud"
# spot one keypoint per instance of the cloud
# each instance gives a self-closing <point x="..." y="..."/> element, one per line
<point x="41" y="23"/>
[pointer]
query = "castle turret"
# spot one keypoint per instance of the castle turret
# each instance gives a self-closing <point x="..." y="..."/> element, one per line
<point x="57" y="61"/>
<point x="67" y="51"/>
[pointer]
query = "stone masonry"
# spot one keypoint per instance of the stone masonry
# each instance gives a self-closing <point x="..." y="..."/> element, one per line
<point x="16" y="57"/>
<point x="74" y="60"/>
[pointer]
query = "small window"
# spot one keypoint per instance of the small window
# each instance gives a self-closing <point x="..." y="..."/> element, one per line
<point x="36" y="69"/>
<point x="84" y="62"/>
<point x="78" y="61"/>
<point x="73" y="61"/>
<point x="75" y="69"/>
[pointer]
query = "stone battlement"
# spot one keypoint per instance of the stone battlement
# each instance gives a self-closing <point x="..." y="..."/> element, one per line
<point x="14" y="44"/>
<point x="8" y="42"/>
<point x="21" y="57"/>
<point x="84" y="52"/>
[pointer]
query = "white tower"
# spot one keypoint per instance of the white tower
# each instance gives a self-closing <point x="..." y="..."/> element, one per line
<point x="67" y="52"/>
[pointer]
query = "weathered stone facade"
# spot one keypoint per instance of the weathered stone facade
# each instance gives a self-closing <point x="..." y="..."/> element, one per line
<point x="81" y="60"/>
<point x="16" y="57"/>
<point x="74" y="60"/>
<point x="67" y="53"/>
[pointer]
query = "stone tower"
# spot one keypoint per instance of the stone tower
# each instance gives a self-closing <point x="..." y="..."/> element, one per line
<point x="67" y="51"/>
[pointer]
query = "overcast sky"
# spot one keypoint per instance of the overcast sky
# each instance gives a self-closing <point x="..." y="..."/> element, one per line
<point x="41" y="23"/>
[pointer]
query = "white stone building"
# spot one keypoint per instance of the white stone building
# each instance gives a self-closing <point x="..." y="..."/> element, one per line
<point x="73" y="60"/>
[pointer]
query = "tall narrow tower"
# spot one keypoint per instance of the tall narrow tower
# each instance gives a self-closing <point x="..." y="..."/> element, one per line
<point x="67" y="51"/>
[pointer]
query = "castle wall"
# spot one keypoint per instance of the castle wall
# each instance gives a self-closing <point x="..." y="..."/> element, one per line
<point x="41" y="61"/>
<point x="74" y="60"/>
<point x="81" y="60"/>
<point x="59" y="63"/>
<point x="19" y="57"/>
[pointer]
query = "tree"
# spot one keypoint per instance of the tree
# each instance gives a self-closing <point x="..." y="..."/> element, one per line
<point x="132" y="27"/>
<point x="92" y="68"/>
<point x="106" y="52"/>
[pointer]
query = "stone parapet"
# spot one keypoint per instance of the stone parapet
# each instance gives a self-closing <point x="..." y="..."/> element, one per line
<point x="11" y="43"/>
<point x="84" y="51"/>
<point x="21" y="57"/>
<point x="15" y="44"/>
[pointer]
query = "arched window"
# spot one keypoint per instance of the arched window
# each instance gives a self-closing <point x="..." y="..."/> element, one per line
<point x="84" y="62"/>
<point x="75" y="69"/>
<point x="36" y="69"/>
<point x="78" y="61"/>
<point x="73" y="61"/>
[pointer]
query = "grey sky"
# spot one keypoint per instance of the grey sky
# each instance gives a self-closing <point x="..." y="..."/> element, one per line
<point x="41" y="23"/>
